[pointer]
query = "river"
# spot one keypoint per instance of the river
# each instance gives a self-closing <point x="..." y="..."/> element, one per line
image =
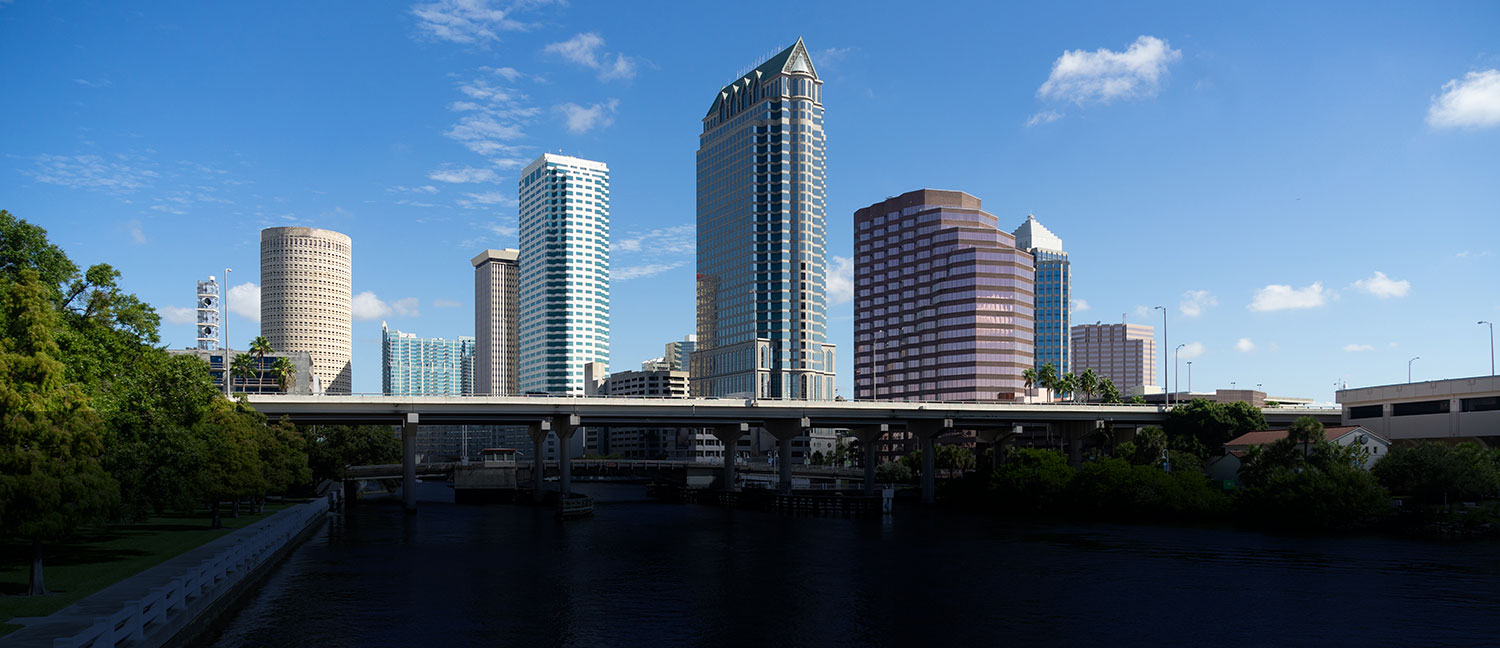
<point x="647" y="573"/>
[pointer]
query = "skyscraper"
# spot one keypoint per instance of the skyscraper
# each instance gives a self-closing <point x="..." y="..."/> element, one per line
<point x="413" y="366"/>
<point x="496" y="316"/>
<point x="678" y="355"/>
<point x="943" y="301"/>
<point x="305" y="281"/>
<point x="564" y="272"/>
<point x="1054" y="294"/>
<point x="761" y="289"/>
<point x="1123" y="353"/>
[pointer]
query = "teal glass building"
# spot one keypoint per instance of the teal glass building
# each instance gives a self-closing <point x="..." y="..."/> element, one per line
<point x="414" y="366"/>
<point x="1054" y="294"/>
<point x="762" y="294"/>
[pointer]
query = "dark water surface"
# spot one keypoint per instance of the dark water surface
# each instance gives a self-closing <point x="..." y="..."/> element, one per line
<point x="656" y="574"/>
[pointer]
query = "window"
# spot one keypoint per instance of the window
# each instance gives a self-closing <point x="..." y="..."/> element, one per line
<point x="1418" y="408"/>
<point x="1366" y="412"/>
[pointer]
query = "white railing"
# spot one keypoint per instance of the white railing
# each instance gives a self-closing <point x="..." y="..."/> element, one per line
<point x="199" y="585"/>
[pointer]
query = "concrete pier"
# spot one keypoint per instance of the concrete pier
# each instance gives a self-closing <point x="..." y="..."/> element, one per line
<point x="538" y="432"/>
<point x="869" y="439"/>
<point x="785" y="430"/>
<point x="729" y="435"/>
<point x="409" y="462"/>
<point x="928" y="430"/>
<point x="564" y="427"/>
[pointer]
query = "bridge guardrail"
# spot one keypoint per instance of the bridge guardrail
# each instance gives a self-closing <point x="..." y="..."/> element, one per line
<point x="198" y="586"/>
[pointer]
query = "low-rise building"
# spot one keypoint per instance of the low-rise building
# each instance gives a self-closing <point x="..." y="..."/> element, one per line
<point x="1467" y="408"/>
<point x="263" y="380"/>
<point x="1227" y="467"/>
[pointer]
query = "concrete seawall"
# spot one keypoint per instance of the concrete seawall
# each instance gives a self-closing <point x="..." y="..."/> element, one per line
<point x="175" y="602"/>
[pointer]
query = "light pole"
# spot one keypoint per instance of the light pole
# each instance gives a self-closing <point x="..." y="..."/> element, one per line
<point x="227" y="350"/>
<point x="1176" y="368"/>
<point x="1408" y="367"/>
<point x="1190" y="377"/>
<point x="1492" y="345"/>
<point x="1164" y="351"/>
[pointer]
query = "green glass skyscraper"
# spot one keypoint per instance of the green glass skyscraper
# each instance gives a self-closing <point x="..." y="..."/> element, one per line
<point x="762" y="255"/>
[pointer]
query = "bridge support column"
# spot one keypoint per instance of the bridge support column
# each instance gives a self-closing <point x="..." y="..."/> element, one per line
<point x="869" y="443"/>
<point x="730" y="435"/>
<point x="996" y="438"/>
<point x="564" y="427"/>
<point x="538" y="432"/>
<point x="785" y="430"/>
<point x="1074" y="434"/>
<point x="409" y="462"/>
<point x="928" y="430"/>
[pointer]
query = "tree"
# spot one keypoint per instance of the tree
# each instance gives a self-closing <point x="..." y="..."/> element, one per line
<point x="1065" y="385"/>
<point x="1088" y="383"/>
<point x="893" y="472"/>
<point x="817" y="458"/>
<point x="1435" y="472"/>
<point x="22" y="246"/>
<point x="283" y="458"/>
<point x="243" y="368"/>
<point x="1028" y="375"/>
<point x="260" y="346"/>
<point x="1306" y="431"/>
<point x="230" y="465"/>
<point x="953" y="457"/>
<point x="51" y="480"/>
<point x="1046" y="377"/>
<point x="285" y="372"/>
<point x="1031" y="479"/>
<point x="1147" y="446"/>
<point x="1211" y="424"/>
<point x="332" y="448"/>
<point x="1108" y="392"/>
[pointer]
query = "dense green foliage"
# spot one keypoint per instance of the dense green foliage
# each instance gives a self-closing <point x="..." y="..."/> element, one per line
<point x="1303" y="481"/>
<point x="893" y="472"/>
<point x="332" y="448"/>
<point x="1434" y="473"/>
<point x="1200" y="427"/>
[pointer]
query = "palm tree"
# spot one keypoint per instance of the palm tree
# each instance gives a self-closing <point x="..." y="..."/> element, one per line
<point x="1066" y="384"/>
<point x="1088" y="383"/>
<point x="1029" y="375"/>
<point x="1047" y="377"/>
<point x="1306" y="431"/>
<point x="260" y="346"/>
<point x="1108" y="392"/>
<point x="242" y="367"/>
<point x="285" y="372"/>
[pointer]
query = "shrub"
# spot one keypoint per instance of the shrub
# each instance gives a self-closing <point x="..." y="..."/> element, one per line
<point x="893" y="472"/>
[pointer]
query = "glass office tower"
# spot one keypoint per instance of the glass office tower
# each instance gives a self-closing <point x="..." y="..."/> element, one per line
<point x="564" y="272"/>
<point x="762" y="256"/>
<point x="414" y="366"/>
<point x="1054" y="294"/>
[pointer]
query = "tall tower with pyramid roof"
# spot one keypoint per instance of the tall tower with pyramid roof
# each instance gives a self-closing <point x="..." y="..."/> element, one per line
<point x="762" y="240"/>
<point x="1054" y="294"/>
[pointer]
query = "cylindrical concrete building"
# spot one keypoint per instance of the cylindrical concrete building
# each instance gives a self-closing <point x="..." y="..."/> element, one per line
<point x="305" y="284"/>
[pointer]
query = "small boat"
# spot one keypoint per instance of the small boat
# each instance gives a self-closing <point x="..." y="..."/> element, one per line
<point x="575" y="506"/>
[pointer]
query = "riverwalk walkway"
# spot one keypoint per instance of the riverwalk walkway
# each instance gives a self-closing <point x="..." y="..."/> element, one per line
<point x="152" y="607"/>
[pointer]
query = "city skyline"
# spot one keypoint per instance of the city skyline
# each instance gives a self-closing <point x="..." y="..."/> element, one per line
<point x="1282" y="264"/>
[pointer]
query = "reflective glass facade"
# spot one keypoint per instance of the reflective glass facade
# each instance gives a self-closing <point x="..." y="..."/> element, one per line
<point x="1054" y="294"/>
<point x="564" y="272"/>
<point x="762" y="255"/>
<point x="413" y="366"/>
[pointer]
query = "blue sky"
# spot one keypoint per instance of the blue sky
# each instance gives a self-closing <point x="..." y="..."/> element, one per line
<point x="1312" y="188"/>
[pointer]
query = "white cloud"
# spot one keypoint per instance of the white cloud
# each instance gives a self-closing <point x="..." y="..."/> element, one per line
<point x="678" y="239"/>
<point x="841" y="280"/>
<point x="485" y="199"/>
<point x="133" y="229"/>
<point x="463" y="21"/>
<point x="1191" y="350"/>
<point x="101" y="83"/>
<point x="116" y="174"/>
<point x="407" y="307"/>
<point x="1384" y="287"/>
<point x="1143" y="311"/>
<point x="582" y="120"/>
<point x="446" y="303"/>
<point x="179" y="315"/>
<point x="643" y="271"/>
<point x="244" y="300"/>
<point x="1282" y="297"/>
<point x="1102" y="76"/>
<point x="1244" y="345"/>
<point x="587" y="50"/>
<point x="1044" y="117"/>
<point x="1473" y="102"/>
<point x="1194" y="301"/>
<point x="1358" y="347"/>
<point x="425" y="189"/>
<point x="1080" y="305"/>
<point x="1468" y="254"/>
<point x="366" y="306"/>
<point x="465" y="174"/>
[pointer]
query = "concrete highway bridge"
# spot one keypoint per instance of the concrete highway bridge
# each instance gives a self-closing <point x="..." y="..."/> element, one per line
<point x="682" y="473"/>
<point x="729" y="419"/>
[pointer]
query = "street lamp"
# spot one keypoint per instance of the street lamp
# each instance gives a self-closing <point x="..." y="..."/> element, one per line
<point x="1176" y="368"/>
<point x="1190" y="377"/>
<point x="1492" y="345"/>
<point x="1408" y="367"/>
<point x="227" y="351"/>
<point x="1164" y="351"/>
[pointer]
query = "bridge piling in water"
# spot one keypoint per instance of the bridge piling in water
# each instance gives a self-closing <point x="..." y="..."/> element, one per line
<point x="564" y="427"/>
<point x="730" y="435"/>
<point x="869" y="438"/>
<point x="927" y="430"/>
<point x="409" y="462"/>
<point x="538" y="433"/>
<point x="785" y="430"/>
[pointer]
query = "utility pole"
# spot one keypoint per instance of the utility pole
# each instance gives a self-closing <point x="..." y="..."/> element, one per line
<point x="1408" y="367"/>
<point x="1492" y="345"/>
<point x="228" y="350"/>
<point x="1164" y="352"/>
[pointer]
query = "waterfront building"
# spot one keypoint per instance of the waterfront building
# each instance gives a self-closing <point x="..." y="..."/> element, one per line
<point x="1054" y="294"/>
<point x="564" y="272"/>
<point x="305" y="283"/>
<point x="642" y="443"/>
<point x="1124" y="353"/>
<point x="414" y="366"/>
<point x="263" y="379"/>
<point x="436" y="443"/>
<point x="678" y="354"/>
<point x="1447" y="410"/>
<point x="943" y="301"/>
<point x="496" y="318"/>
<point x="207" y="300"/>
<point x="762" y="256"/>
<point x="1226" y="467"/>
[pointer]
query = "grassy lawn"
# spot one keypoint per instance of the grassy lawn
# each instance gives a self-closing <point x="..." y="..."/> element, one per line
<point x="98" y="558"/>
